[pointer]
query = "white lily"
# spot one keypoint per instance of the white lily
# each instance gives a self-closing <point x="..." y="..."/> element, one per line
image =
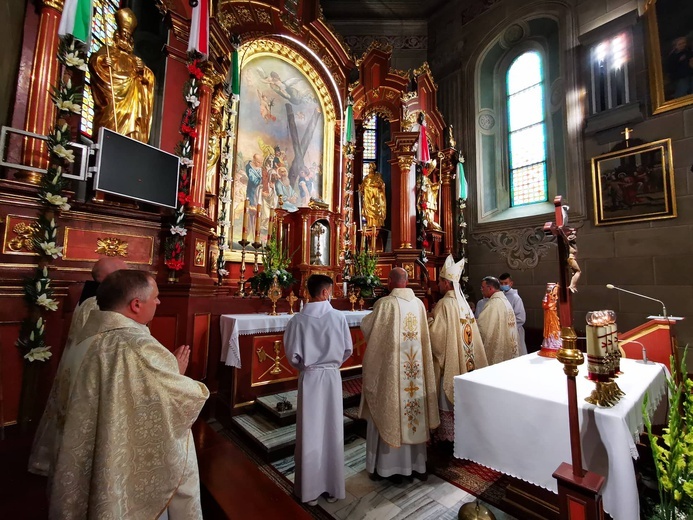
<point x="56" y="200"/>
<point x="64" y="153"/>
<point x="38" y="354"/>
<point x="47" y="303"/>
<point x="223" y="272"/>
<point x="179" y="230"/>
<point x="50" y="249"/>
<point x="72" y="59"/>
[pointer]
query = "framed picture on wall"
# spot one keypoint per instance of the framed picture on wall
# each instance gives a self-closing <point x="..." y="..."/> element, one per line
<point x="634" y="184"/>
<point x="670" y="50"/>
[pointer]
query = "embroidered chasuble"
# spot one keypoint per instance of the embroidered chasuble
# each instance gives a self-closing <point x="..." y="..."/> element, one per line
<point x="124" y="446"/>
<point x="498" y="329"/>
<point x="43" y="451"/>
<point x="456" y="342"/>
<point x="399" y="386"/>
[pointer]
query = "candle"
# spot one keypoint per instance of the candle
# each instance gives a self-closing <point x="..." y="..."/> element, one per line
<point x="246" y="216"/>
<point x="363" y="240"/>
<point x="344" y="288"/>
<point x="258" y="222"/>
<point x="270" y="225"/>
<point x="353" y="237"/>
<point x="373" y="237"/>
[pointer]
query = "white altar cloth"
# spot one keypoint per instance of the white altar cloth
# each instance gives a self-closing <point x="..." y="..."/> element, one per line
<point x="513" y="417"/>
<point x="234" y="325"/>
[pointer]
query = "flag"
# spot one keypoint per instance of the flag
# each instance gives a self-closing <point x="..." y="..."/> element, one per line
<point x="199" y="29"/>
<point x="461" y="182"/>
<point x="349" y="123"/>
<point x="76" y="20"/>
<point x="423" y="154"/>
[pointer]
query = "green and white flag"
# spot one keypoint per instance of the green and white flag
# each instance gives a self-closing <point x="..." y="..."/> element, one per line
<point x="349" y="137"/>
<point x="76" y="20"/>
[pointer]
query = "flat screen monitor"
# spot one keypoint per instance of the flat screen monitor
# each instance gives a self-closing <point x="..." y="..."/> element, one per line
<point x="135" y="170"/>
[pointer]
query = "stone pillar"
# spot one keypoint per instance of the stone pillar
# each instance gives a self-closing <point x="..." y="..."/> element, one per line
<point x="204" y="114"/>
<point x="44" y="76"/>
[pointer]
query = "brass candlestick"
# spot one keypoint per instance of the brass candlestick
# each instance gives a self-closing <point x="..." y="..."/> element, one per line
<point x="241" y="280"/>
<point x="291" y="299"/>
<point x="256" y="246"/>
<point x="274" y="293"/>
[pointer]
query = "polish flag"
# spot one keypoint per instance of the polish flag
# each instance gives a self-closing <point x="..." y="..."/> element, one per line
<point x="199" y="29"/>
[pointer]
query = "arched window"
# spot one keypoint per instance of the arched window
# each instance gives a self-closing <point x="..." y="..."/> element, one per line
<point x="526" y="125"/>
<point x="102" y="27"/>
<point x="370" y="141"/>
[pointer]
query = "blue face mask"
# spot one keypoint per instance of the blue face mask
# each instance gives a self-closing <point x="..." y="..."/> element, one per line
<point x="505" y="288"/>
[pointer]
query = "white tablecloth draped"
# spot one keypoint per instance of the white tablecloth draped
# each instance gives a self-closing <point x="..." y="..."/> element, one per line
<point x="234" y="325"/>
<point x="513" y="417"/>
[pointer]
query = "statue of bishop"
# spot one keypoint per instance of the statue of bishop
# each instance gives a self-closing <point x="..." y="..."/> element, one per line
<point x="374" y="203"/>
<point x="121" y="85"/>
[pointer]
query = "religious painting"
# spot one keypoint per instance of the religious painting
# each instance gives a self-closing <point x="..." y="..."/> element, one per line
<point x="670" y="48"/>
<point x="285" y="139"/>
<point x="634" y="184"/>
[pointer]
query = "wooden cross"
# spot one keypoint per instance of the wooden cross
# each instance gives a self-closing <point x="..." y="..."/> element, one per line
<point x="565" y="239"/>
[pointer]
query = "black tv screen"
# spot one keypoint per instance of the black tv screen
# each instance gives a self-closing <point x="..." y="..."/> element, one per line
<point x="135" y="170"/>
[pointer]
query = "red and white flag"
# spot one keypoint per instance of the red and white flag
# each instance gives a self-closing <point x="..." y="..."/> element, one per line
<point x="199" y="29"/>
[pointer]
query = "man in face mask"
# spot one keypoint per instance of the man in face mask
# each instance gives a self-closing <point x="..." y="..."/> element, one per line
<point x="506" y="285"/>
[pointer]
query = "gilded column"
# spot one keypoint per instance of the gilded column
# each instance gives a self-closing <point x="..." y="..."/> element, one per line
<point x="406" y="200"/>
<point x="445" y="216"/>
<point x="204" y="114"/>
<point x="44" y="76"/>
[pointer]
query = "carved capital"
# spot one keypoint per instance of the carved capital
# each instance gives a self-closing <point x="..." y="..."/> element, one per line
<point x="211" y="78"/>
<point x="53" y="4"/>
<point x="405" y="162"/>
<point x="521" y="248"/>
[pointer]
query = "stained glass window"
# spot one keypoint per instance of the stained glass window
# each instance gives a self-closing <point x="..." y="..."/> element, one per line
<point x="102" y="27"/>
<point x="609" y="73"/>
<point x="370" y="138"/>
<point x="527" y="130"/>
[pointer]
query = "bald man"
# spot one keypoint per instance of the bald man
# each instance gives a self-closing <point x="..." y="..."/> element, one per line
<point x="43" y="450"/>
<point x="399" y="387"/>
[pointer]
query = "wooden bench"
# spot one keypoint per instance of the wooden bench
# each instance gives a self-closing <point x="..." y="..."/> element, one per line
<point x="233" y="486"/>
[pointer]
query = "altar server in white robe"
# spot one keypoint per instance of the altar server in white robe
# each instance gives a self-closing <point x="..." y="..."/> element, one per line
<point x="317" y="341"/>
<point x="497" y="323"/>
<point x="399" y="398"/>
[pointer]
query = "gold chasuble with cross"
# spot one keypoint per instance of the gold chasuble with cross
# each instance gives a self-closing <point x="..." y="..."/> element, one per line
<point x="399" y="386"/>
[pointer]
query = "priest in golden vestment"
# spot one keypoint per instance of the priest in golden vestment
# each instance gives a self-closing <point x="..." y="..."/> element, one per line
<point x="497" y="323"/>
<point x="125" y="448"/>
<point x="399" y="387"/>
<point x="43" y="451"/>
<point x="121" y="85"/>
<point x="374" y="203"/>
<point x="455" y="341"/>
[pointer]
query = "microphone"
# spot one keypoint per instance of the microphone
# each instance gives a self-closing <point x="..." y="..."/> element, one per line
<point x="664" y="309"/>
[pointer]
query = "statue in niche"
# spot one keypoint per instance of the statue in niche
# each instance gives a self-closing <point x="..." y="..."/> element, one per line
<point x="430" y="190"/>
<point x="121" y="85"/>
<point x="374" y="204"/>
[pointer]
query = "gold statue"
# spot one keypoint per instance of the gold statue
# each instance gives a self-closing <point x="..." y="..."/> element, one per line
<point x="121" y="85"/>
<point x="216" y="132"/>
<point x="374" y="203"/>
<point x="431" y="190"/>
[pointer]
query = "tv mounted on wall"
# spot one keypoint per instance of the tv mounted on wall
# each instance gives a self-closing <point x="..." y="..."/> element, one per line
<point x="136" y="170"/>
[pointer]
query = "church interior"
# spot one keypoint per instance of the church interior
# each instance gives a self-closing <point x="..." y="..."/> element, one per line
<point x="549" y="140"/>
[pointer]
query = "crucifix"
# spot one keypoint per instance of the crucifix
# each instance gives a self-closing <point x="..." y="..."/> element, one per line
<point x="575" y="485"/>
<point x="626" y="134"/>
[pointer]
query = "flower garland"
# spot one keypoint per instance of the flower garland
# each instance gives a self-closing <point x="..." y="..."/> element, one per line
<point x="38" y="293"/>
<point x="461" y="223"/>
<point x="421" y="207"/>
<point x="174" y="247"/>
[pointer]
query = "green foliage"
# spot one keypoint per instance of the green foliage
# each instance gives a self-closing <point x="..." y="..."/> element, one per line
<point x="275" y="262"/>
<point x="365" y="264"/>
<point x="673" y="451"/>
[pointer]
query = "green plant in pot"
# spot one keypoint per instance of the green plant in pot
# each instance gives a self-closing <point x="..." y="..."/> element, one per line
<point x="364" y="277"/>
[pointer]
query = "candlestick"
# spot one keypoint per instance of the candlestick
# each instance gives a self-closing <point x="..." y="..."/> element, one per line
<point x="258" y="222"/>
<point x="353" y="238"/>
<point x="363" y="239"/>
<point x="241" y="279"/>
<point x="270" y="225"/>
<point x="246" y="217"/>
<point x="373" y="238"/>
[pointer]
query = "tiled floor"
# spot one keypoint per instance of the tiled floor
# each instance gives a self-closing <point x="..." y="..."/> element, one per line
<point x="365" y="499"/>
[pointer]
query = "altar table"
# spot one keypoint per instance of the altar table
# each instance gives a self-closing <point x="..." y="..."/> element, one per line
<point x="513" y="417"/>
<point x="235" y="325"/>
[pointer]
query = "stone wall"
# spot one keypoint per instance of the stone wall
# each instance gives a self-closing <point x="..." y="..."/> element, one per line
<point x="649" y="257"/>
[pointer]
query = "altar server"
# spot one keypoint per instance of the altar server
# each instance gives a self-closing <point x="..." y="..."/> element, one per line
<point x="125" y="448"/>
<point x="43" y="450"/>
<point x="497" y="323"/>
<point x="399" y="386"/>
<point x="317" y="341"/>
<point x="506" y="285"/>
<point x="455" y="341"/>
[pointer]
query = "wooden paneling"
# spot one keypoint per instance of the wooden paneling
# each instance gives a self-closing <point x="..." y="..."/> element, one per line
<point x="164" y="329"/>
<point x="11" y="364"/>
<point x="86" y="245"/>
<point x="200" y="347"/>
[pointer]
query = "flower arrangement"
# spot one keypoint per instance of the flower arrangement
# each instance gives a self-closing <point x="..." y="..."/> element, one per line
<point x="365" y="277"/>
<point x="174" y="247"/>
<point x="275" y="262"/>
<point x="673" y="451"/>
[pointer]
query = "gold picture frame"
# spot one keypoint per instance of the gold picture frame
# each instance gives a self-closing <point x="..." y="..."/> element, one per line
<point x="634" y="184"/>
<point x="665" y="20"/>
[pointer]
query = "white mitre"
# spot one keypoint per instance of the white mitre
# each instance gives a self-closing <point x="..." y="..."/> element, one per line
<point x="453" y="271"/>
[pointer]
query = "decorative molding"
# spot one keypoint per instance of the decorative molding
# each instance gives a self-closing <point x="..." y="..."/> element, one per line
<point x="521" y="248"/>
<point x="514" y="34"/>
<point x="24" y="239"/>
<point x="359" y="43"/>
<point x="111" y="246"/>
<point x="409" y="268"/>
<point x="200" y="253"/>
<point x="487" y="120"/>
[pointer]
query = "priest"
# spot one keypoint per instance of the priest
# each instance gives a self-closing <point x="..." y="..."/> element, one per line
<point x="317" y="341"/>
<point x="43" y="450"/>
<point x="125" y="449"/>
<point x="455" y="341"/>
<point x="497" y="323"/>
<point x="398" y="398"/>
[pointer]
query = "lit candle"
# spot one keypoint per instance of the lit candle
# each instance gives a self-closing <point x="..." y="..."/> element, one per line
<point x="258" y="222"/>
<point x="270" y="225"/>
<point x="246" y="217"/>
